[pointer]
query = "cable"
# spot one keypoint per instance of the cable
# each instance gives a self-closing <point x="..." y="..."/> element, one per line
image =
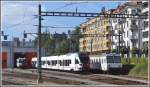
<point x="66" y="5"/>
<point x="18" y="24"/>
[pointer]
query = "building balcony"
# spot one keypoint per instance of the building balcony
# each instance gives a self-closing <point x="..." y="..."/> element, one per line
<point x="134" y="37"/>
<point x="134" y="27"/>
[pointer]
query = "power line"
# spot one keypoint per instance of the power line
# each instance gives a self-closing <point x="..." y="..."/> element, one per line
<point x="55" y="26"/>
<point x="70" y="4"/>
<point x="20" y="23"/>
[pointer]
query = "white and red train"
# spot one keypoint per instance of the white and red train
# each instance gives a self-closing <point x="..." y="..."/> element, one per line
<point x="80" y="62"/>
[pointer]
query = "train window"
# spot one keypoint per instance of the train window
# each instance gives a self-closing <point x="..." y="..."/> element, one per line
<point x="110" y="59"/>
<point x="69" y="61"/>
<point x="76" y="61"/>
<point x="35" y="62"/>
<point x="66" y="62"/>
<point x="117" y="59"/>
<point x="99" y="60"/>
<point x="52" y="62"/>
<point x="55" y="62"/>
<point x="48" y="62"/>
<point x="61" y="63"/>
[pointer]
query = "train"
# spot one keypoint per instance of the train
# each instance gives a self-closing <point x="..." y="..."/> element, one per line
<point x="80" y="62"/>
<point x="21" y="62"/>
<point x="105" y="62"/>
<point x="69" y="62"/>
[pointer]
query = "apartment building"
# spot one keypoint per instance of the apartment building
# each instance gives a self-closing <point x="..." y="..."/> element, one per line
<point x="95" y="44"/>
<point x="130" y="28"/>
<point x="145" y="30"/>
<point x="133" y="31"/>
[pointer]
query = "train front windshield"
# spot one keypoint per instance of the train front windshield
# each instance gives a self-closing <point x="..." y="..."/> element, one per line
<point x="113" y="59"/>
<point x="21" y="60"/>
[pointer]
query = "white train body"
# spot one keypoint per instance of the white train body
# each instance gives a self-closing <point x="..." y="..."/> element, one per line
<point x="78" y="62"/>
<point x="69" y="62"/>
<point x="21" y="63"/>
<point x="105" y="62"/>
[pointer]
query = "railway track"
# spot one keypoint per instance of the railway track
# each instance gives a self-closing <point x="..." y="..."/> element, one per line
<point x="112" y="79"/>
<point x="79" y="79"/>
<point x="10" y="83"/>
<point x="54" y="79"/>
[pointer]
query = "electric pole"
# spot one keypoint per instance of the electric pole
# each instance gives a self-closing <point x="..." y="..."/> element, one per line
<point x="39" y="47"/>
<point x="91" y="44"/>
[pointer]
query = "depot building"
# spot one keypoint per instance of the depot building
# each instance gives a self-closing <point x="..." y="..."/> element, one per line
<point x="11" y="50"/>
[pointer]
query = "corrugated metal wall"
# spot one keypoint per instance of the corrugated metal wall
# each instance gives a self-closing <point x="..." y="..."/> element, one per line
<point x="29" y="56"/>
<point x="4" y="59"/>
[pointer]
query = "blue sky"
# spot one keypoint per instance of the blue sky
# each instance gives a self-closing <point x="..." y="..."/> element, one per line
<point x="19" y="16"/>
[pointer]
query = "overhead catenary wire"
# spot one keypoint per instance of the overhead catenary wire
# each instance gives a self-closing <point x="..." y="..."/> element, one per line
<point x="20" y="23"/>
<point x="69" y="4"/>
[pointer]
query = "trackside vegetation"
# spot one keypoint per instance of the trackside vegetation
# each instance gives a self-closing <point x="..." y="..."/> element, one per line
<point x="137" y="67"/>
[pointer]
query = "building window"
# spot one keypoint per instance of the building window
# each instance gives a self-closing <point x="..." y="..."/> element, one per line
<point x="124" y="35"/>
<point x="145" y="5"/>
<point x="114" y="20"/>
<point x="115" y="37"/>
<point x="126" y="12"/>
<point x="145" y="24"/>
<point x="127" y="33"/>
<point x="138" y="10"/>
<point x="133" y="22"/>
<point x="146" y="13"/>
<point x="127" y="23"/>
<point x="133" y="12"/>
<point x="145" y="34"/>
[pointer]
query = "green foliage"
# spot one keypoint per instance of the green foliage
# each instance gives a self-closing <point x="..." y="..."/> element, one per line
<point x="134" y="60"/>
<point x="145" y="49"/>
<point x="124" y="50"/>
<point x="60" y="43"/>
<point x="114" y="50"/>
<point x="140" y="70"/>
<point x="135" y="50"/>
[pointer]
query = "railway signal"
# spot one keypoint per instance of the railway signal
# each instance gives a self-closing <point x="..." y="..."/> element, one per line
<point x="5" y="37"/>
<point x="2" y="34"/>
<point x="25" y="35"/>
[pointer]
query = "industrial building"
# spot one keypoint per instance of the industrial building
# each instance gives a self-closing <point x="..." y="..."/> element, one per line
<point x="11" y="50"/>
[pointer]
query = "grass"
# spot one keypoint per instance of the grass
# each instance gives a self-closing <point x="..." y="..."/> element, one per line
<point x="139" y="70"/>
<point x="137" y="67"/>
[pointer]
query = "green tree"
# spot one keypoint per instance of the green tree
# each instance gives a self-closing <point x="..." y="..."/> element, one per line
<point x="145" y="49"/>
